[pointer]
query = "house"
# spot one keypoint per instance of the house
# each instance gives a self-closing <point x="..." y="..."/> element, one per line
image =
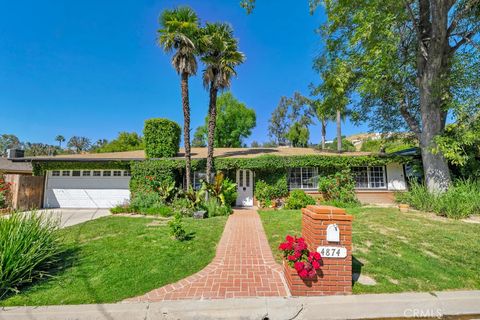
<point x="101" y="180"/>
<point x="7" y="166"/>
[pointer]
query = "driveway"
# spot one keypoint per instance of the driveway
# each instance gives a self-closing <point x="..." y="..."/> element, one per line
<point x="71" y="217"/>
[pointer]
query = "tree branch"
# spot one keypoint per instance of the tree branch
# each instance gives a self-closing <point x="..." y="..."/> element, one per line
<point x="423" y="49"/>
<point x="467" y="38"/>
<point x="410" y="119"/>
<point x="460" y="15"/>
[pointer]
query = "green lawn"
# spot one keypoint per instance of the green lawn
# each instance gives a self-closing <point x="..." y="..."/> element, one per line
<point x="401" y="251"/>
<point x="114" y="258"/>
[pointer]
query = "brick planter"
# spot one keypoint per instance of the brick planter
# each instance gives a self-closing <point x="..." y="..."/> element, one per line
<point x="335" y="275"/>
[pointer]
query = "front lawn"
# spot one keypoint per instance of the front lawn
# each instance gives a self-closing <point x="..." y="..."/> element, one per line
<point x="114" y="258"/>
<point x="400" y="251"/>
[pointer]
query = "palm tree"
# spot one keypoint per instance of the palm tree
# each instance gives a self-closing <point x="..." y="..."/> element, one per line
<point x="60" y="139"/>
<point x="178" y="33"/>
<point x="220" y="55"/>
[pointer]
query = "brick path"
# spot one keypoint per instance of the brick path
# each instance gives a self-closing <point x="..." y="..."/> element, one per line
<point x="243" y="267"/>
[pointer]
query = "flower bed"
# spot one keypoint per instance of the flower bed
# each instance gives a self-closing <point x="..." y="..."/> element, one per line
<point x="296" y="254"/>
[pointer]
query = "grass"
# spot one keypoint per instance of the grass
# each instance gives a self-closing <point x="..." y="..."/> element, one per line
<point x="401" y="251"/>
<point x="122" y="257"/>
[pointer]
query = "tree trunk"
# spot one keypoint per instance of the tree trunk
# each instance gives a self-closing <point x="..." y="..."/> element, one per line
<point x="212" y="118"/>
<point x="324" y="133"/>
<point x="433" y="69"/>
<point x="339" y="131"/>
<point x="186" y="130"/>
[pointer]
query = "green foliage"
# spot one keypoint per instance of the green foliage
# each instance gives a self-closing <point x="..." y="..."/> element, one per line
<point x="8" y="141"/>
<point x="214" y="208"/>
<point x="162" y="138"/>
<point x="79" y="144"/>
<point x="40" y="167"/>
<point x="347" y="145"/>
<point x="298" y="199"/>
<point x="4" y="192"/>
<point x="234" y="123"/>
<point x="144" y="200"/>
<point x="224" y="190"/>
<point x="460" y="144"/>
<point x="387" y="145"/>
<point x="29" y="249"/>
<point x="183" y="206"/>
<point x="122" y="209"/>
<point x="126" y="141"/>
<point x="148" y="172"/>
<point x="461" y="200"/>
<point x="339" y="188"/>
<point x="177" y="230"/>
<point x="271" y="185"/>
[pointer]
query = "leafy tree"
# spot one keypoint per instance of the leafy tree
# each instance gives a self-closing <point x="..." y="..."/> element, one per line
<point x="234" y="123"/>
<point x="278" y="123"/>
<point x="179" y="32"/>
<point x="60" y="139"/>
<point x="255" y="144"/>
<point x="347" y="145"/>
<point x="40" y="149"/>
<point x="410" y="61"/>
<point x="199" y="137"/>
<point x="126" y="141"/>
<point x="220" y="55"/>
<point x="8" y="141"/>
<point x="79" y="144"/>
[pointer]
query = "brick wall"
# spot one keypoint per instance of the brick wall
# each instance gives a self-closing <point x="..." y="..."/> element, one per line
<point x="335" y="275"/>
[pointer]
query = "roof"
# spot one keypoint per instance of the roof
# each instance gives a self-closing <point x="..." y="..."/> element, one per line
<point x="9" y="166"/>
<point x="197" y="153"/>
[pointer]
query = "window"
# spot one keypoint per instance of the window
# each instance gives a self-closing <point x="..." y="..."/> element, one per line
<point x="76" y="173"/>
<point x="107" y="173"/>
<point x="117" y="173"/>
<point x="126" y="173"/>
<point x="56" y="173"/>
<point x="369" y="177"/>
<point x="86" y="173"/>
<point x="303" y="178"/>
<point x="65" y="173"/>
<point x="97" y="173"/>
<point x="198" y="178"/>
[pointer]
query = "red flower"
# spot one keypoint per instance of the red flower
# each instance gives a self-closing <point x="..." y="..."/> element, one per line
<point x="312" y="273"/>
<point x="290" y="238"/>
<point x="316" y="264"/>
<point x="317" y="256"/>
<point x="291" y="258"/>
<point x="303" y="273"/>
<point x="299" y="266"/>
<point x="297" y="254"/>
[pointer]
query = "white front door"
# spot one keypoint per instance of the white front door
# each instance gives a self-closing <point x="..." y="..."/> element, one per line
<point x="244" y="188"/>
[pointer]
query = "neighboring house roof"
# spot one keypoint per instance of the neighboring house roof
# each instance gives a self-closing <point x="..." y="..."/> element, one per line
<point x="8" y="166"/>
<point x="197" y="153"/>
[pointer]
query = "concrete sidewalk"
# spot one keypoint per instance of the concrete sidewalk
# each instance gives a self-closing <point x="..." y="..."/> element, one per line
<point x="71" y="217"/>
<point x="403" y="305"/>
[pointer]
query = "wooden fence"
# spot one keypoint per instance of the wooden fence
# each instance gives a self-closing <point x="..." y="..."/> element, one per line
<point x="26" y="192"/>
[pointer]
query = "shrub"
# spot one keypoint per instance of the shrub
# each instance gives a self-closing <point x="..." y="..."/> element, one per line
<point x="144" y="200"/>
<point x="4" y="192"/>
<point x="224" y="190"/>
<point x="176" y="228"/>
<point x="214" y="208"/>
<point x="29" y="248"/>
<point x="121" y="209"/>
<point x="158" y="209"/>
<point x="298" y="199"/>
<point x="162" y="138"/>
<point x="338" y="188"/>
<point x="147" y="174"/>
<point x="461" y="200"/>
<point x="271" y="186"/>
<point x="183" y="206"/>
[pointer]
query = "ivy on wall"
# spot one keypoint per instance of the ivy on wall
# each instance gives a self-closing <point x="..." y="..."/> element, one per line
<point x="39" y="167"/>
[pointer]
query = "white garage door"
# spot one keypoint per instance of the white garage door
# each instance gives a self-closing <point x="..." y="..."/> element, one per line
<point x="86" y="188"/>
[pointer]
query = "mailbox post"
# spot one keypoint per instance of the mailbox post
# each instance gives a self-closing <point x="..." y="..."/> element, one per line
<point x="328" y="230"/>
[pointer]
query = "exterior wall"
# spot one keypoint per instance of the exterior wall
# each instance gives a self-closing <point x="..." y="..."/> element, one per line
<point x="26" y="191"/>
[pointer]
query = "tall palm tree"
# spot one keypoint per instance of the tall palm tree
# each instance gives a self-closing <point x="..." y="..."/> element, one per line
<point x="178" y="34"/>
<point x="220" y="55"/>
<point x="60" y="139"/>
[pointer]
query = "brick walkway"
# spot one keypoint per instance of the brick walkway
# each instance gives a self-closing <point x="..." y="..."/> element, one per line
<point x="243" y="267"/>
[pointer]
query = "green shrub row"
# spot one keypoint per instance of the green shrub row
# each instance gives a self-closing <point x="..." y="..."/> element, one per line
<point x="461" y="200"/>
<point x="298" y="199"/>
<point x="161" y="138"/>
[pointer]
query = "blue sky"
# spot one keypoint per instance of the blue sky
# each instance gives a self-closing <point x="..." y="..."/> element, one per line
<point x="92" y="68"/>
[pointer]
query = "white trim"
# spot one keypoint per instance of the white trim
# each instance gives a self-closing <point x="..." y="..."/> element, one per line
<point x="384" y="171"/>
<point x="302" y="187"/>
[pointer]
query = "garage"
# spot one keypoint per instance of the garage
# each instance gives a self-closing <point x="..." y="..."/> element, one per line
<point x="86" y="188"/>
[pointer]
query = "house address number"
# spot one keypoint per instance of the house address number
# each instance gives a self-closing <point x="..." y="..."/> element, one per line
<point x="332" y="252"/>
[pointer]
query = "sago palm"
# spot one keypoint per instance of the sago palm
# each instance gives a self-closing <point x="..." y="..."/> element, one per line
<point x="178" y="34"/>
<point x="220" y="55"/>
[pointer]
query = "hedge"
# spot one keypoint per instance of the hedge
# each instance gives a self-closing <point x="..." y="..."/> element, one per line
<point x="162" y="138"/>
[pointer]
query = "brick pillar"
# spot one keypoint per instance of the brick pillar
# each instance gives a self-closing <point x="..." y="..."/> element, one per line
<point x="335" y="275"/>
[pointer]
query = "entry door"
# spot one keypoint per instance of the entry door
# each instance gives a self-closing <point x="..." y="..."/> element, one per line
<point x="244" y="188"/>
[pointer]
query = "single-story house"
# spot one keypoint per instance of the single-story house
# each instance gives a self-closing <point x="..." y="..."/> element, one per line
<point x="86" y="181"/>
<point x="7" y="166"/>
